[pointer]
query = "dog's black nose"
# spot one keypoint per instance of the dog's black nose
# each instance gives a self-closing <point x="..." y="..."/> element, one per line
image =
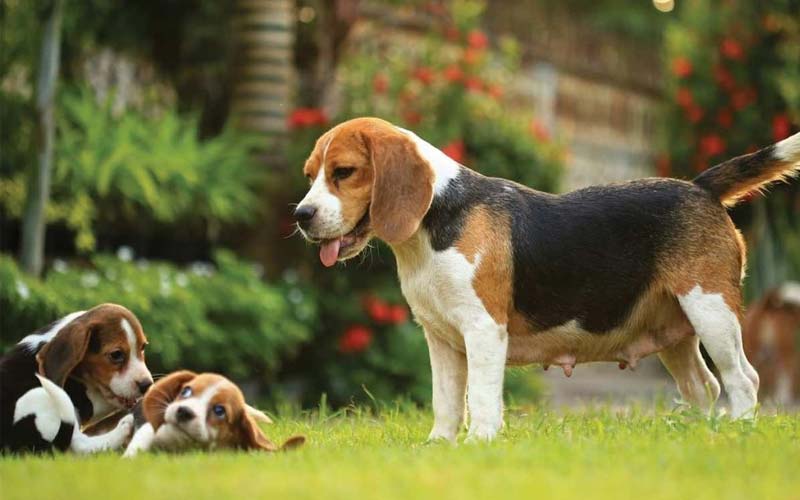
<point x="143" y="385"/>
<point x="304" y="213"/>
<point x="184" y="414"/>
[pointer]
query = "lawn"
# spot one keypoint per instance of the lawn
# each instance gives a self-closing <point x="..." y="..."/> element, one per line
<point x="599" y="453"/>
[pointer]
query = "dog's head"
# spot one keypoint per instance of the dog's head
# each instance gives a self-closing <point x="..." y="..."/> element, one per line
<point x="367" y="179"/>
<point x="102" y="348"/>
<point x="209" y="410"/>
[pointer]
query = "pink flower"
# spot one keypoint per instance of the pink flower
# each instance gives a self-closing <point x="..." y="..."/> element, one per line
<point x="731" y="49"/>
<point x="477" y="39"/>
<point x="307" y="117"/>
<point x="781" y="126"/>
<point x="682" y="67"/>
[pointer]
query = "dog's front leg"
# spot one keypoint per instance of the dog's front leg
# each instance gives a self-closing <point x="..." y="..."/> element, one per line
<point x="142" y="440"/>
<point x="81" y="443"/>
<point x="449" y="374"/>
<point x="486" y="344"/>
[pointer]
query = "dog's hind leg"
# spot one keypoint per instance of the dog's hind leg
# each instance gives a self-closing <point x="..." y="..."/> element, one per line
<point x="717" y="325"/>
<point x="81" y="443"/>
<point x="696" y="384"/>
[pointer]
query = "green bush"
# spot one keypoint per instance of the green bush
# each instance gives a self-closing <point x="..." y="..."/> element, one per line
<point x="219" y="317"/>
<point x="135" y="166"/>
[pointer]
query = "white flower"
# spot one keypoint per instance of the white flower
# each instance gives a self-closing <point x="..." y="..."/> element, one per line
<point x="90" y="279"/>
<point x="181" y="280"/>
<point x="295" y="296"/>
<point x="290" y="276"/>
<point x="128" y="286"/>
<point x="142" y="263"/>
<point x="23" y="290"/>
<point x="201" y="269"/>
<point x="165" y="287"/>
<point x="125" y="253"/>
<point x="60" y="266"/>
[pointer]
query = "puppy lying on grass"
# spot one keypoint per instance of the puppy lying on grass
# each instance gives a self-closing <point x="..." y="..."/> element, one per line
<point x="203" y="411"/>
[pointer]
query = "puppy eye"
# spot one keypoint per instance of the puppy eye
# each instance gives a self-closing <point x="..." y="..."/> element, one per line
<point x="186" y="392"/>
<point x="116" y="357"/>
<point x="342" y="173"/>
<point x="219" y="411"/>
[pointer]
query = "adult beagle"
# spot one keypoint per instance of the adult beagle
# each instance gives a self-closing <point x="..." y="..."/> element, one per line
<point x="72" y="373"/>
<point x="497" y="273"/>
<point x="203" y="411"/>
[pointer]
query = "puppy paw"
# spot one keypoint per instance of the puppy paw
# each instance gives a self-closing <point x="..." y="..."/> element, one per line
<point x="482" y="433"/>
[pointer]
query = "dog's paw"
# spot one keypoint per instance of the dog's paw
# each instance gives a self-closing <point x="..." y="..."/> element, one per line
<point x="437" y="436"/>
<point x="125" y="426"/>
<point x="481" y="433"/>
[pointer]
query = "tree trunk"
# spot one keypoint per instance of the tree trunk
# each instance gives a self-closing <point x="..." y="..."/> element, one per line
<point x="33" y="218"/>
<point x="261" y="91"/>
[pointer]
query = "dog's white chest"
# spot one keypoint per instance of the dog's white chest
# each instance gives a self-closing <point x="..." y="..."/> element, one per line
<point x="438" y="287"/>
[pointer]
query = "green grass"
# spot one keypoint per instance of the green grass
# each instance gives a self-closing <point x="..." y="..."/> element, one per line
<point x="541" y="454"/>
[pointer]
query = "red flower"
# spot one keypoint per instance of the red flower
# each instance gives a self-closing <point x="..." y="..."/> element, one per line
<point x="495" y="91"/>
<point x="731" y="49"/>
<point x="307" y="117"/>
<point x="380" y="83"/>
<point x="471" y="56"/>
<point x="455" y="150"/>
<point x="743" y="98"/>
<point x="412" y="117"/>
<point x="539" y="131"/>
<point x="477" y="39"/>
<point x="378" y="310"/>
<point x="684" y="97"/>
<point x="473" y="84"/>
<point x="682" y="67"/>
<point x="695" y="113"/>
<point x="355" y="339"/>
<point x="663" y="167"/>
<point x="781" y="126"/>
<point x="399" y="314"/>
<point x="452" y="33"/>
<point x="725" y="118"/>
<point x="424" y="74"/>
<point x="453" y="73"/>
<point x="724" y="78"/>
<point x="712" y="145"/>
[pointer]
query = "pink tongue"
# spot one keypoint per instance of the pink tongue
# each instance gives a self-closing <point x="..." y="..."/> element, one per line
<point x="329" y="252"/>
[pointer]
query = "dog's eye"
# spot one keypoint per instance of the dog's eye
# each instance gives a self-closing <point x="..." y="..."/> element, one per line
<point x="342" y="173"/>
<point x="186" y="392"/>
<point x="219" y="411"/>
<point x="116" y="357"/>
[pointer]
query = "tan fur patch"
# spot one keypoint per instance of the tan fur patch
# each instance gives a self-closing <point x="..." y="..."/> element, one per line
<point x="492" y="280"/>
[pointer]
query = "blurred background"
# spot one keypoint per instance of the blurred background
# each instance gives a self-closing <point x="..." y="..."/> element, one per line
<point x="150" y="151"/>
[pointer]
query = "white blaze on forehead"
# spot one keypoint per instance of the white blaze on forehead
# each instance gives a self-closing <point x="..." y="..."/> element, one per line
<point x="124" y="383"/>
<point x="33" y="340"/>
<point x="444" y="167"/>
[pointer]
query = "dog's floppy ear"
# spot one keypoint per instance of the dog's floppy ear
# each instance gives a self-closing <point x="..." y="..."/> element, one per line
<point x="161" y="394"/>
<point x="258" y="415"/>
<point x="402" y="189"/>
<point x="252" y="438"/>
<point x="61" y="355"/>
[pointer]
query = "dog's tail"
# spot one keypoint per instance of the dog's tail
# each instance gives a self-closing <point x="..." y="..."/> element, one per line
<point x="64" y="406"/>
<point x="731" y="180"/>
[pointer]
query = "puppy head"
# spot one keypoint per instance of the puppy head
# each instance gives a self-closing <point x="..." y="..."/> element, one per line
<point x="104" y="349"/>
<point x="209" y="409"/>
<point x="367" y="179"/>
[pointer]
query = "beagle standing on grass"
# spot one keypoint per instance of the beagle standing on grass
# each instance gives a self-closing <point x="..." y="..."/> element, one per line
<point x="70" y="374"/>
<point x="497" y="273"/>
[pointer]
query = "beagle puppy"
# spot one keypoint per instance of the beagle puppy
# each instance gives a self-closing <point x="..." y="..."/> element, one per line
<point x="203" y="411"/>
<point x="72" y="373"/>
<point x="499" y="274"/>
<point x="772" y="341"/>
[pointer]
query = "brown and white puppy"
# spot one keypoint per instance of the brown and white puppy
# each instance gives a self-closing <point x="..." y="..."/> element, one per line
<point x="498" y="273"/>
<point x="72" y="373"/>
<point x="203" y="411"/>
<point x="772" y="341"/>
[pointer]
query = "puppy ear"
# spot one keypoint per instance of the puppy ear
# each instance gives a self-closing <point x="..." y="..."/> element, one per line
<point x="161" y="394"/>
<point x="57" y="358"/>
<point x="402" y="188"/>
<point x="252" y="436"/>
<point x="258" y="415"/>
<point x="293" y="442"/>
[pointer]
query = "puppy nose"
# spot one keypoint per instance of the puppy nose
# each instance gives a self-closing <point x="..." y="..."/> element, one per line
<point x="143" y="385"/>
<point x="304" y="213"/>
<point x="184" y="414"/>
